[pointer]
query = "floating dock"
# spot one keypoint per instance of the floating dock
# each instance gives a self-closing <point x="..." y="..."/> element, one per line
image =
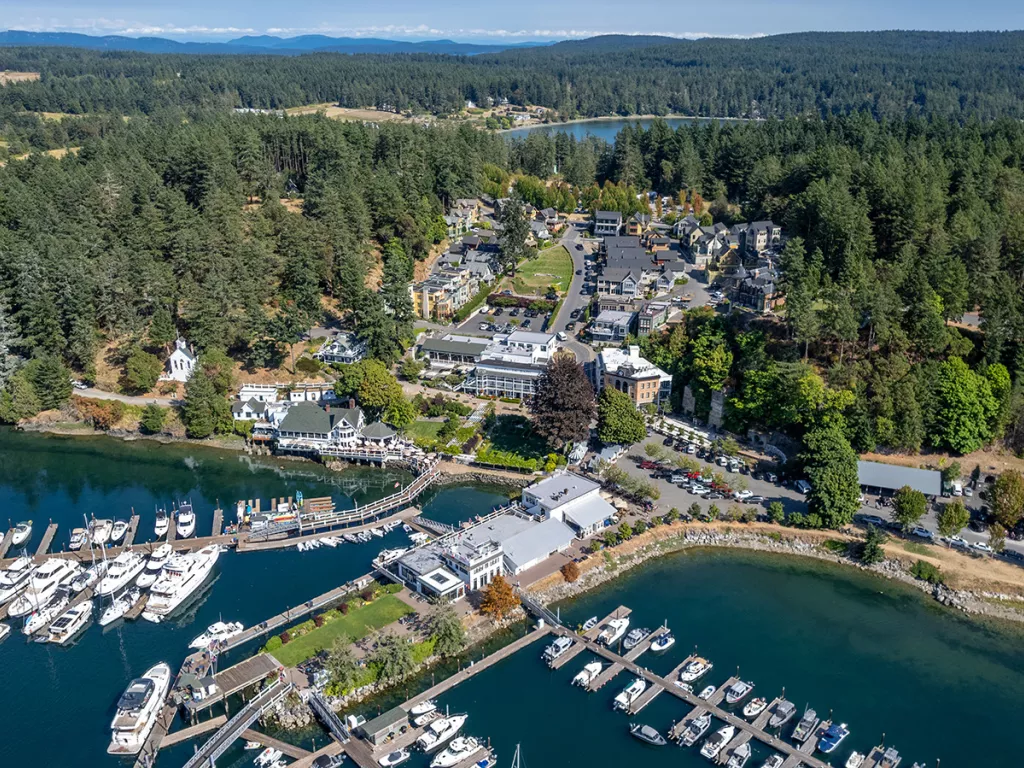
<point x="565" y="658"/>
<point x="6" y="543"/>
<point x="44" y="545"/>
<point x="133" y="529"/>
<point x="296" y="753"/>
<point x="193" y="731"/>
<point x="218" y="522"/>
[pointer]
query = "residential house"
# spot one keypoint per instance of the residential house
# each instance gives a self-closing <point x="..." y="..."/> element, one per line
<point x="659" y="243"/>
<point x="309" y="423"/>
<point x="311" y="392"/>
<point x="670" y="273"/>
<point x="539" y="230"/>
<point x="760" y="292"/>
<point x="651" y="317"/>
<point x="571" y="499"/>
<point x="458" y="221"/>
<point x="761" y="236"/>
<point x="607" y="223"/>
<point x="611" y="326"/>
<point x="344" y="347"/>
<point x="626" y="371"/>
<point x="621" y="281"/>
<point x="180" y="363"/>
<point x="248" y="410"/>
<point x="637" y="224"/>
<point x="264" y="393"/>
<point x="442" y="294"/>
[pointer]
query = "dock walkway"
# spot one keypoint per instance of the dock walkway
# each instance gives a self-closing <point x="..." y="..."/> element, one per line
<point x="218" y="522"/>
<point x="6" y="543"/>
<point x="565" y="658"/>
<point x="193" y="731"/>
<point x="133" y="530"/>
<point x="44" y="545"/>
<point x="296" y="753"/>
<point x="234" y="679"/>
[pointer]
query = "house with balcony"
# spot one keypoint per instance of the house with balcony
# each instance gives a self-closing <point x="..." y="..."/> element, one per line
<point x="611" y="326"/>
<point x="607" y="223"/>
<point x="344" y="347"/>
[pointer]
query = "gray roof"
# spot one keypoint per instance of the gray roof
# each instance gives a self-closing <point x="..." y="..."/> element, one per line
<point x="378" y="430"/>
<point x="614" y="317"/>
<point x="454" y="347"/>
<point x="566" y="486"/>
<point x="618" y="274"/>
<point x="387" y="721"/>
<point x="421" y="561"/>
<point x="310" y="417"/>
<point x="608" y="216"/>
<point x="537" y="541"/>
<point x="890" y="477"/>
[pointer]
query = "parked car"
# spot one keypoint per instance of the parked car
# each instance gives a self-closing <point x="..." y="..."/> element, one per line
<point x="715" y="496"/>
<point x="668" y="441"/>
<point x="499" y="312"/>
<point x="691" y="449"/>
<point x="982" y="547"/>
<point x="922" y="533"/>
<point x="803" y="486"/>
<point x="525" y="323"/>
<point x="771" y="477"/>
<point x="648" y="465"/>
<point x="514" y="312"/>
<point x="755" y="499"/>
<point x="698" y="490"/>
<point x="678" y="479"/>
<point x="874" y="520"/>
<point x="579" y="271"/>
<point x="742" y="495"/>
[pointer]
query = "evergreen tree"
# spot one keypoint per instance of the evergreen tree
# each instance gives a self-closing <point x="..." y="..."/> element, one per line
<point x="153" y="417"/>
<point x="8" y="341"/>
<point x="141" y="371"/>
<point x="19" y="400"/>
<point x="51" y="381"/>
<point x="831" y="467"/>
<point x="203" y="412"/>
<point x="515" y="229"/>
<point x="445" y="627"/>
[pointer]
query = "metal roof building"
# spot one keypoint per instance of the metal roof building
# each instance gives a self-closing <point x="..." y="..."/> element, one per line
<point x="889" y="477"/>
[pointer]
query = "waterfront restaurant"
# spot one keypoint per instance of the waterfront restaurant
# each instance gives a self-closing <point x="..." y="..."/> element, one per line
<point x="571" y="499"/>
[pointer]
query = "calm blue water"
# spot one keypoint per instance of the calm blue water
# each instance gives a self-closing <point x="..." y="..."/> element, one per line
<point x="59" y="701"/>
<point x="601" y="129"/>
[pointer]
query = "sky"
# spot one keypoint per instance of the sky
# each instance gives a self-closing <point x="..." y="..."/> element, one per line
<point x="483" y="20"/>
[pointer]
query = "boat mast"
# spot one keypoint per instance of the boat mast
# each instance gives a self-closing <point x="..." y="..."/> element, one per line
<point x="515" y="758"/>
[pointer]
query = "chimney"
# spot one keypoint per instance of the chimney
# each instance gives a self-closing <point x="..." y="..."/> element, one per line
<point x="351" y="402"/>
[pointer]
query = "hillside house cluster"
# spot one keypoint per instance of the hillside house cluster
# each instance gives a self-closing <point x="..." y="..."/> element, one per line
<point x="710" y="245"/>
<point x="629" y="270"/>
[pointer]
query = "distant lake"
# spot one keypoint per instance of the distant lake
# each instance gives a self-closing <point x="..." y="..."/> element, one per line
<point x="601" y="128"/>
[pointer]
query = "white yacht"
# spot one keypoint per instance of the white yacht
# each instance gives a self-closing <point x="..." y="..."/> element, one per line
<point x="147" y="579"/>
<point x="70" y="623"/>
<point x="15" y="579"/>
<point x="267" y="757"/>
<point x="44" y="584"/>
<point x="612" y="631"/>
<point x="557" y="648"/>
<point x="79" y="538"/>
<point x="217" y="632"/>
<point x="159" y="557"/>
<point x="182" y="576"/>
<point x="121" y="571"/>
<point x="391" y="759"/>
<point x="138" y="710"/>
<point x="695" y="669"/>
<point x="117" y="532"/>
<point x="717" y="741"/>
<point x="38" y="619"/>
<point x="739" y="756"/>
<point x="738" y="691"/>
<point x="88" y="577"/>
<point x="696" y="728"/>
<point x="119" y="606"/>
<point x="855" y="760"/>
<point x="186" y="521"/>
<point x="439" y="731"/>
<point x="630" y="694"/>
<point x="162" y="524"/>
<point x="21" y="533"/>
<point x="99" y="531"/>
<point x="423" y="708"/>
<point x="461" y="748"/>
<point x="755" y="707"/>
<point x="588" y="673"/>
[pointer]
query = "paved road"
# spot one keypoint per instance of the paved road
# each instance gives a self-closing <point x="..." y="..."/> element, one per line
<point x="99" y="394"/>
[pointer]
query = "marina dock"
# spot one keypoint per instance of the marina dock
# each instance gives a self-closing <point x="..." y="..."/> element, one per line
<point x="136" y="610"/>
<point x="568" y="656"/>
<point x="6" y="543"/>
<point x="44" y="545"/>
<point x="236" y="678"/>
<point x="193" y="731"/>
<point x="133" y="529"/>
<point x="296" y="753"/>
<point x="218" y="522"/>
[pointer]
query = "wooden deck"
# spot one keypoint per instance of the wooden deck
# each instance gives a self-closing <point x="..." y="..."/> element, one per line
<point x="296" y="753"/>
<point x="719" y="695"/>
<point x="568" y="656"/>
<point x="156" y="736"/>
<point x="333" y="748"/>
<point x="605" y="677"/>
<point x="676" y="731"/>
<point x="762" y="720"/>
<point x="738" y="740"/>
<point x="645" y="698"/>
<point x="193" y="731"/>
<point x="218" y="523"/>
<point x="133" y="530"/>
<point x="6" y="543"/>
<point x="48" y="534"/>
<point x="236" y="678"/>
<point x="136" y="610"/>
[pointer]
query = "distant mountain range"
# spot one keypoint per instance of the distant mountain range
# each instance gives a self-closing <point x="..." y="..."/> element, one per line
<point x="284" y="46"/>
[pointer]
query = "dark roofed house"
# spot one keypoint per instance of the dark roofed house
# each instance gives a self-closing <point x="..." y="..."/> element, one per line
<point x="309" y="423"/>
<point x="379" y="433"/>
<point x="607" y="223"/>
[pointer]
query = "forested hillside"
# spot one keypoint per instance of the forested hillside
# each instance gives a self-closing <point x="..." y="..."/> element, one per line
<point x="890" y="74"/>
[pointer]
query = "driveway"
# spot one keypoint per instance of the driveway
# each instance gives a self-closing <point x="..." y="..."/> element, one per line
<point x="99" y="394"/>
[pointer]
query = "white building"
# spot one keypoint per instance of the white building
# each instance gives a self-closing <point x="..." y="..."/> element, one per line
<point x="263" y="393"/>
<point x="570" y="499"/>
<point x="180" y="363"/>
<point x="343" y="348"/>
<point x="512" y="364"/>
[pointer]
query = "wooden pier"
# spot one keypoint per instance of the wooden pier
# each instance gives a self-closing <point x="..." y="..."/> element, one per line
<point x="568" y="656"/>
<point x="676" y="731"/>
<point x="645" y="698"/>
<point x="236" y="678"/>
<point x="156" y="737"/>
<point x="761" y="721"/>
<point x="738" y="741"/>
<point x="136" y="610"/>
<point x="6" y="543"/>
<point x="133" y="530"/>
<point x="296" y="753"/>
<point x="44" y="545"/>
<point x="218" y="522"/>
<point x="719" y="695"/>
<point x="644" y="645"/>
<point x="193" y="731"/>
<point x="332" y="749"/>
<point x="605" y="677"/>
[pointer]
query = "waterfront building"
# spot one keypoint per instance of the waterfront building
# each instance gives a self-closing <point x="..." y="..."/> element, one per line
<point x="874" y="475"/>
<point x="308" y="423"/>
<point x="511" y="365"/>
<point x="571" y="499"/>
<point x="452" y="350"/>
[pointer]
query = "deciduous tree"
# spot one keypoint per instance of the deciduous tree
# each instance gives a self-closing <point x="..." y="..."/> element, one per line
<point x="499" y="599"/>
<point x="909" y="506"/>
<point x="831" y="467"/>
<point x="953" y="518"/>
<point x="1007" y="496"/>
<point x="618" y="420"/>
<point x="564" y="404"/>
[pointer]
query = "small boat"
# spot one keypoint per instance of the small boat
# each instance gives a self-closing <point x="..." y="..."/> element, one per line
<point x="423" y="708"/>
<point x="695" y="669"/>
<point x="118" y="531"/>
<point x="590" y="623"/>
<point x="39" y="618"/>
<point x="423" y="719"/>
<point x="707" y="693"/>
<point x="162" y="524"/>
<point x="440" y="731"/>
<point x="5" y="630"/>
<point x="855" y="760"/>
<point x="739" y="756"/>
<point x="663" y="643"/>
<point x="647" y="734"/>
<point x="738" y="691"/>
<point x="635" y="637"/>
<point x="891" y="758"/>
<point x="186" y="524"/>
<point x="88" y="577"/>
<point x="22" y="532"/>
<point x="461" y="748"/>
<point x="832" y="737"/>
<point x="630" y="694"/>
<point x="70" y="623"/>
<point x="147" y="579"/>
<point x="79" y="538"/>
<point x="350" y="538"/>
<point x="588" y="673"/>
<point x="612" y="631"/>
<point x="267" y="757"/>
<point x="99" y="531"/>
<point x="805" y="728"/>
<point x="378" y="532"/>
<point x="217" y="632"/>
<point x="755" y="707"/>
<point x="717" y="741"/>
<point x="776" y="761"/>
<point x="250" y="745"/>
<point x="695" y="729"/>
<point x="119" y="606"/>
<point x="783" y="713"/>
<point x="394" y="758"/>
<point x="557" y="648"/>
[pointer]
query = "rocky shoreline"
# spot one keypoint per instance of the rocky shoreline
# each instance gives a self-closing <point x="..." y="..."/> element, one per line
<point x="976" y="604"/>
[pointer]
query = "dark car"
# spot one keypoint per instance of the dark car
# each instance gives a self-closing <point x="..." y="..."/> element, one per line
<point x="668" y="441"/>
<point x="714" y="496"/>
<point x="525" y="323"/>
<point x="579" y="246"/>
<point x="579" y="271"/>
<point x="978" y="524"/>
<point x="499" y="312"/>
<point x="515" y="312"/>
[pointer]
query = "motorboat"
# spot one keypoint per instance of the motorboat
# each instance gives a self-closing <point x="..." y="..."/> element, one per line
<point x="755" y="707"/>
<point x="119" y="606"/>
<point x="590" y="623"/>
<point x="158" y="557"/>
<point x="267" y="757"/>
<point x="67" y="626"/>
<point x="146" y="579"/>
<point x="440" y="731"/>
<point x="557" y="648"/>
<point x="612" y="631"/>
<point x="15" y="579"/>
<point x="43" y="585"/>
<point x="738" y="691"/>
<point x="88" y="577"/>
<point x="138" y="710"/>
<point x="39" y="618"/>
<point x="855" y="760"/>
<point x="99" y="531"/>
<point x="890" y="758"/>
<point x="79" y="538"/>
<point x="21" y="533"/>
<point x="683" y="686"/>
<point x="695" y="729"/>
<point x="378" y="532"/>
<point x="695" y="669"/>
<point x="217" y="632"/>
<point x="186" y="525"/>
<point x="118" y="530"/>
<point x="423" y="708"/>
<point x="462" y="748"/>
<point x="162" y="524"/>
<point x="717" y="741"/>
<point x="630" y="694"/>
<point x="182" y="576"/>
<point x="634" y="638"/>
<point x="707" y="693"/>
<point x="392" y="759"/>
<point x="251" y="745"/>
<point x="350" y="538"/>
<point x="5" y="630"/>
<point x="805" y="728"/>
<point x="121" y="571"/>
<point x="783" y="713"/>
<point x="739" y="756"/>
<point x="832" y="737"/>
<point x="647" y="734"/>
<point x="776" y="761"/>
<point x="663" y="642"/>
<point x="588" y="673"/>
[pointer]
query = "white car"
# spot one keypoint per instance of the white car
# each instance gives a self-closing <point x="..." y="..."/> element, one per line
<point x="742" y="495"/>
<point x="982" y="547"/>
<point x="958" y="542"/>
<point x="924" y="533"/>
<point x="698" y="490"/>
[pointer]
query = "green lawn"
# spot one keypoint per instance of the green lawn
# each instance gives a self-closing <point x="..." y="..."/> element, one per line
<point x="424" y="430"/>
<point x="357" y="624"/>
<point x="551" y="266"/>
<point x="515" y="434"/>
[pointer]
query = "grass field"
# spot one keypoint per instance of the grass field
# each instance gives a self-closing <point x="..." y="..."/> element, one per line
<point x="424" y="430"/>
<point x="515" y="434"/>
<point x="357" y="624"/>
<point x="553" y="266"/>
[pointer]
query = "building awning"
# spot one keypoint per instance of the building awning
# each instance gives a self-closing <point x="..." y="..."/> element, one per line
<point x="890" y="477"/>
